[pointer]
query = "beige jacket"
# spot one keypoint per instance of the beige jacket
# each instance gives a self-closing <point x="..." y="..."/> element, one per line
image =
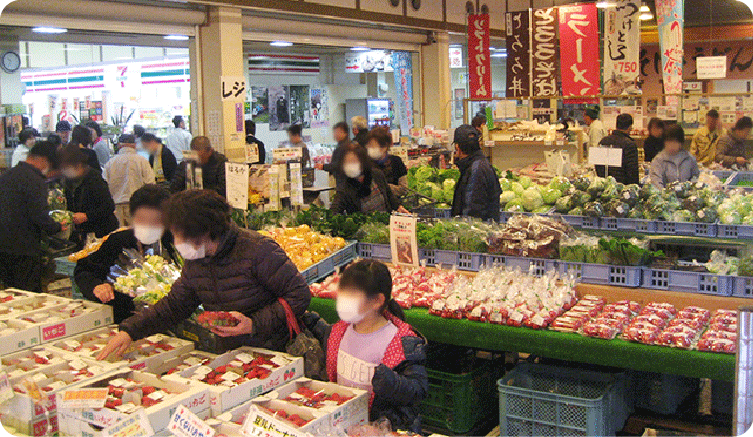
<point x="703" y="146"/>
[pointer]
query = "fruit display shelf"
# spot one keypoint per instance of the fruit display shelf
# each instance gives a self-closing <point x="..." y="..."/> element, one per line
<point x="574" y="347"/>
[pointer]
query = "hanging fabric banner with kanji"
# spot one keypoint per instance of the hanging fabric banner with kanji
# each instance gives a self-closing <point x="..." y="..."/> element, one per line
<point x="579" y="51"/>
<point x="479" y="60"/>
<point x="670" y="19"/>
<point x="544" y="52"/>
<point x="622" y="43"/>
<point x="518" y="54"/>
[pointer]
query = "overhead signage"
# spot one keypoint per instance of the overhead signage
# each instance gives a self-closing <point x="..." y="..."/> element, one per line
<point x="479" y="60"/>
<point x="711" y="67"/>
<point x="579" y="50"/>
<point x="518" y="54"/>
<point x="543" y="50"/>
<point x="622" y="44"/>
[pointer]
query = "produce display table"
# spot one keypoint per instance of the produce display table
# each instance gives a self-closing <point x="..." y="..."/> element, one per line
<point x="574" y="347"/>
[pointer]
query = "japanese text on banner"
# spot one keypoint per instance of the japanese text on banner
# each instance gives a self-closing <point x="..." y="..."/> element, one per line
<point x="579" y="50"/>
<point x="622" y="41"/>
<point x="518" y="54"/>
<point x="479" y="60"/>
<point x="543" y="52"/>
<point x="403" y="72"/>
<point x="670" y="19"/>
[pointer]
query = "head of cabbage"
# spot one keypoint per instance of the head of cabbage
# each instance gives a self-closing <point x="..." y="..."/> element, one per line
<point x="531" y="199"/>
<point x="506" y="197"/>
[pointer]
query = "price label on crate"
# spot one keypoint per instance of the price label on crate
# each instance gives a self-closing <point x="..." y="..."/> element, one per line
<point x="260" y="424"/>
<point x="186" y="424"/>
<point x="82" y="398"/>
<point x="135" y="426"/>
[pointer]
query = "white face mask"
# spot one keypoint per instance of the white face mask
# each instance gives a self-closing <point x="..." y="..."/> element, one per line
<point x="352" y="170"/>
<point x="70" y="173"/>
<point x="148" y="234"/>
<point x="188" y="251"/>
<point x="347" y="309"/>
<point x="375" y="152"/>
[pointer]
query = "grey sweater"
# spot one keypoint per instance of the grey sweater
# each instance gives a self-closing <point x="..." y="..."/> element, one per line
<point x="666" y="168"/>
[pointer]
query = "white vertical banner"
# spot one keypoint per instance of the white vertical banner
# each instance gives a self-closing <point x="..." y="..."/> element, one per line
<point x="670" y="20"/>
<point x="274" y="188"/>
<point x="622" y="42"/>
<point x="296" y="184"/>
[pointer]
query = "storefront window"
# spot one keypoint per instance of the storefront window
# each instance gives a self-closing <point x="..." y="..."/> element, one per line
<point x="459" y="79"/>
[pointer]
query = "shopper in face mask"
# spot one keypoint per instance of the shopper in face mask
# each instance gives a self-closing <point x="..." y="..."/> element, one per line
<point x="380" y="141"/>
<point x="87" y="196"/>
<point x="226" y="269"/>
<point x="373" y="348"/>
<point x="147" y="234"/>
<point x="24" y="217"/>
<point x="361" y="187"/>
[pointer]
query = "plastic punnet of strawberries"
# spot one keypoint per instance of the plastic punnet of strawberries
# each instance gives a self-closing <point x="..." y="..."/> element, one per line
<point x="210" y="319"/>
<point x="238" y="372"/>
<point x="295" y="419"/>
<point x="307" y="397"/>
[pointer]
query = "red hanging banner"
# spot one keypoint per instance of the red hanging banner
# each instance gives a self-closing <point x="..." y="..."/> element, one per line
<point x="579" y="50"/>
<point x="518" y="54"/>
<point x="479" y="61"/>
<point x="544" y="52"/>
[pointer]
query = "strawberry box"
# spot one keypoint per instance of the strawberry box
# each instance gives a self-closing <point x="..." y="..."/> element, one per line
<point x="16" y="335"/>
<point x="39" y="427"/>
<point x="344" y="406"/>
<point x="274" y="417"/>
<point x="181" y="363"/>
<point x="21" y="304"/>
<point x="146" y="354"/>
<point x="66" y="319"/>
<point x="131" y="390"/>
<point x="242" y="374"/>
<point x="72" y="426"/>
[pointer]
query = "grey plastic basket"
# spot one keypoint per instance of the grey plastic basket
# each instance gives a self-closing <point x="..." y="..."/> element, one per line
<point x="541" y="400"/>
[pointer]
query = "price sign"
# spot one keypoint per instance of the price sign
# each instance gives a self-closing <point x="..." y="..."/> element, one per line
<point x="287" y="154"/>
<point x="186" y="424"/>
<point x="605" y="156"/>
<point x="252" y="153"/>
<point x="135" y="426"/>
<point x="236" y="184"/>
<point x="6" y="391"/>
<point x="274" y="188"/>
<point x="296" y="184"/>
<point x="403" y="240"/>
<point x="259" y="424"/>
<point x="401" y="152"/>
<point x="82" y="398"/>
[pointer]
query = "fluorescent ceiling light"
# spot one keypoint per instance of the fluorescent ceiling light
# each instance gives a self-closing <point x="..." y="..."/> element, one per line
<point x="644" y="8"/>
<point x="646" y="17"/>
<point x="45" y="29"/>
<point x="360" y="49"/>
<point x="604" y="4"/>
<point x="499" y="55"/>
<point x="176" y="37"/>
<point x="281" y="44"/>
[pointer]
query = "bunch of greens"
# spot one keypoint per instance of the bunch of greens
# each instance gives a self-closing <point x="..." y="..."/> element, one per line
<point x="614" y="251"/>
<point x="434" y="183"/>
<point x="522" y="194"/>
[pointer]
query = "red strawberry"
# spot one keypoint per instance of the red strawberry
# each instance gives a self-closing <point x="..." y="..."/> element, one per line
<point x="148" y="389"/>
<point x="40" y="360"/>
<point x="221" y="369"/>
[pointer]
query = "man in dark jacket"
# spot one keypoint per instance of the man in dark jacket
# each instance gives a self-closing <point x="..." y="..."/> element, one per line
<point x="212" y="164"/>
<point x="161" y="159"/>
<point x="24" y="218"/>
<point x="226" y="269"/>
<point x="251" y="139"/>
<point x="620" y="139"/>
<point x="477" y="192"/>
<point x="340" y="131"/>
<point x="87" y="196"/>
<point x="147" y="233"/>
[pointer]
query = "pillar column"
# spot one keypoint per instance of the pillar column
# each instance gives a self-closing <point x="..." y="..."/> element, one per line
<point x="11" y="89"/>
<point x="218" y="52"/>
<point x="435" y="78"/>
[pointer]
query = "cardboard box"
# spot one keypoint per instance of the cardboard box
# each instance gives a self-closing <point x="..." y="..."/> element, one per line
<point x="71" y="426"/>
<point x="224" y="398"/>
<point x="180" y="363"/>
<point x="64" y="318"/>
<point x="21" y="304"/>
<point x="352" y="412"/>
<point x="261" y="421"/>
<point x="135" y="358"/>
<point x="22" y="335"/>
<point x="41" y="427"/>
<point x="22" y="364"/>
<point x="193" y="397"/>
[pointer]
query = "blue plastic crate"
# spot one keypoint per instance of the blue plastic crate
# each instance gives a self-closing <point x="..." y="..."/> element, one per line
<point x="533" y="266"/>
<point x="541" y="400"/>
<point x="448" y="257"/>
<point x="743" y="286"/>
<point x="443" y="213"/>
<point x="689" y="282"/>
<point x="580" y="221"/>
<point x="504" y="216"/>
<point x="381" y="252"/>
<point x="471" y="261"/>
<point x="688" y="229"/>
<point x="427" y="255"/>
<point x="346" y="254"/>
<point x="734" y="231"/>
<point x="628" y="224"/>
<point x="64" y="267"/>
<point x="624" y="276"/>
<point x="723" y="175"/>
<point x="740" y="176"/>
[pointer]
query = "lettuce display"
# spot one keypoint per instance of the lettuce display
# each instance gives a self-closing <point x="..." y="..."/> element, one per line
<point x="523" y="195"/>
<point x="461" y="235"/>
<point x="435" y="183"/>
<point x="614" y="251"/>
<point x="736" y="210"/>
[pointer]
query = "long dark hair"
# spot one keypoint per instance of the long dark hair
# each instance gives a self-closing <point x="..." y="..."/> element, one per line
<point x="373" y="278"/>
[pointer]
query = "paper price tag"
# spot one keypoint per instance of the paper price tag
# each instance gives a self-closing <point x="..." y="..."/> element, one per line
<point x="83" y="398"/>
<point x="135" y="426"/>
<point x="296" y="184"/>
<point x="185" y="424"/>
<point x="236" y="182"/>
<point x="252" y="153"/>
<point x="259" y="424"/>
<point x="403" y="240"/>
<point x="6" y="391"/>
<point x="605" y="156"/>
<point x="274" y="188"/>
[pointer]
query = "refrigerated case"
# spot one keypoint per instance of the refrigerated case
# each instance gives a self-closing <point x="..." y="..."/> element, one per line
<point x="375" y="111"/>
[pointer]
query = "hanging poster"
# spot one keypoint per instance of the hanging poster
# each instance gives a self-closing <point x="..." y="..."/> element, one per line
<point x="403" y="74"/>
<point x="459" y="94"/>
<point x="300" y="105"/>
<point x="260" y="104"/>
<point x="371" y="61"/>
<point x="403" y="240"/>
<point x="279" y="107"/>
<point x="319" y="108"/>
<point x="543" y="52"/>
<point x="479" y="60"/>
<point x="622" y="41"/>
<point x="518" y="54"/>
<point x="670" y="21"/>
<point x="579" y="51"/>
